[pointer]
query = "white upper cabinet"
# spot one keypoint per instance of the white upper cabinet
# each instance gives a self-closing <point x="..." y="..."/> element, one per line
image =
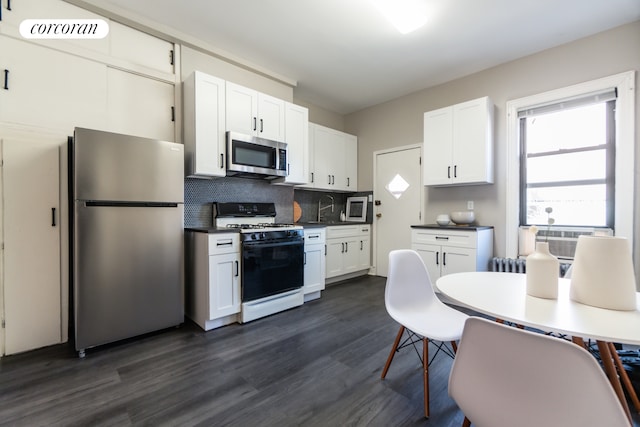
<point x="254" y="113"/>
<point x="458" y="144"/>
<point x="50" y="89"/>
<point x="136" y="47"/>
<point x="150" y="113"/>
<point x="204" y="125"/>
<point x="333" y="162"/>
<point x="296" y="136"/>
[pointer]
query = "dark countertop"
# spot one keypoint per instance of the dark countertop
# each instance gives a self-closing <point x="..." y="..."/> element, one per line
<point x="329" y="224"/>
<point x="212" y="230"/>
<point x="454" y="227"/>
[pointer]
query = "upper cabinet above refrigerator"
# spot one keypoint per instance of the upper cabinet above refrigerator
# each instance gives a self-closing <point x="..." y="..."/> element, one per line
<point x="458" y="144"/>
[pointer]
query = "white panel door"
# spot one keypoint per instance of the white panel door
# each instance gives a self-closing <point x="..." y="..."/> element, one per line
<point x="31" y="256"/>
<point x="393" y="216"/>
<point x="270" y="118"/>
<point x="242" y="109"/>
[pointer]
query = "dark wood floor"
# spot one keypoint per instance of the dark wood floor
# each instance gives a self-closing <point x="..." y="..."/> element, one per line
<point x="316" y="365"/>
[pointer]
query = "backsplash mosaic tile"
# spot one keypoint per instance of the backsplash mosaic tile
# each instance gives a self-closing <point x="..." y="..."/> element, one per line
<point x="200" y="193"/>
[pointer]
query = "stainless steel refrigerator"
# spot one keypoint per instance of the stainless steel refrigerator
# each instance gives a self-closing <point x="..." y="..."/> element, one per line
<point x="127" y="236"/>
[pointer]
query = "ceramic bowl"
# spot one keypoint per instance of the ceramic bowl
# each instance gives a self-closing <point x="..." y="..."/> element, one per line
<point x="443" y="219"/>
<point x="462" y="217"/>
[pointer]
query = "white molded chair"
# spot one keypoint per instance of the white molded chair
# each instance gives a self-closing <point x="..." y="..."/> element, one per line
<point x="504" y="376"/>
<point x="411" y="301"/>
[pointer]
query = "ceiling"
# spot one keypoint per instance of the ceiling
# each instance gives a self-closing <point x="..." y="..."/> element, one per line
<point x="344" y="56"/>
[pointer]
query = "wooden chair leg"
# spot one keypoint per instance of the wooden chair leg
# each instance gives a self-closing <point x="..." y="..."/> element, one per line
<point x="454" y="346"/>
<point x="425" y="365"/>
<point x="466" y="422"/>
<point x="394" y="349"/>
<point x="624" y="377"/>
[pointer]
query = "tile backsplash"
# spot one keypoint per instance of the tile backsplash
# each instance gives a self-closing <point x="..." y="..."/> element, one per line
<point x="200" y="193"/>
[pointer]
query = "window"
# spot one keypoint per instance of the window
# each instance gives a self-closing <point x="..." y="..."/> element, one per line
<point x="622" y="180"/>
<point x="567" y="162"/>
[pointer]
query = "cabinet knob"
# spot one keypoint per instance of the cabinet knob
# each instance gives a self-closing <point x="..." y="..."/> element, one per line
<point x="378" y="215"/>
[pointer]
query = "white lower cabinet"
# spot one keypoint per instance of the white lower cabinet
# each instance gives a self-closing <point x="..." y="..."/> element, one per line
<point x="213" y="278"/>
<point x="446" y="251"/>
<point x="348" y="250"/>
<point x="314" y="262"/>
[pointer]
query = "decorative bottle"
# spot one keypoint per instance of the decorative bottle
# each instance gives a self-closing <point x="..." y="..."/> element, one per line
<point x="543" y="270"/>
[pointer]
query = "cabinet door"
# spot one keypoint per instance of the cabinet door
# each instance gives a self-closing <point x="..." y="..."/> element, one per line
<point x="31" y="224"/>
<point x="137" y="47"/>
<point x="224" y="285"/>
<point x="431" y="255"/>
<point x="297" y="139"/>
<point x="351" y="162"/>
<point x="147" y="114"/>
<point x="457" y="260"/>
<point x="314" y="268"/>
<point x="325" y="145"/>
<point x="241" y="109"/>
<point x="334" y="260"/>
<point x="270" y="118"/>
<point x="438" y="143"/>
<point x="364" y="257"/>
<point x="351" y="258"/>
<point x="472" y="154"/>
<point x="51" y="89"/>
<point x="204" y="125"/>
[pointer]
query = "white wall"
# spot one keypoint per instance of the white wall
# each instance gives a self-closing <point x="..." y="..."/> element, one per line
<point x="399" y="122"/>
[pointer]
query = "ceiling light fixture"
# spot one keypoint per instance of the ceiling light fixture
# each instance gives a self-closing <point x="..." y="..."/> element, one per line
<point x="405" y="15"/>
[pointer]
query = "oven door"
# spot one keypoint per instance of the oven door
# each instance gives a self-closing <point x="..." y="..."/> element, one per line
<point x="270" y="268"/>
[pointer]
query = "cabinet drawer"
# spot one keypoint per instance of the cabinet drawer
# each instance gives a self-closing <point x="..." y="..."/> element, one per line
<point x="312" y="237"/>
<point x="223" y="243"/>
<point x="348" y="231"/>
<point x="464" y="239"/>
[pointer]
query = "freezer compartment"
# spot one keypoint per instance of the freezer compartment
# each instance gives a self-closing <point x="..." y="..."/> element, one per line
<point x="128" y="270"/>
<point x="110" y="166"/>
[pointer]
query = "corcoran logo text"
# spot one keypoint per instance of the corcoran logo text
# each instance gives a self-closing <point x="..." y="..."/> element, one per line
<point x="64" y="28"/>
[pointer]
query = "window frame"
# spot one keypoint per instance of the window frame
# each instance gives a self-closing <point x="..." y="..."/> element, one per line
<point x="609" y="179"/>
<point x="624" y="83"/>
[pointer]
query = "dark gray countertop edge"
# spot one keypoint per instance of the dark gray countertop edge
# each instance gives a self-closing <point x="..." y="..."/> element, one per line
<point x="453" y="227"/>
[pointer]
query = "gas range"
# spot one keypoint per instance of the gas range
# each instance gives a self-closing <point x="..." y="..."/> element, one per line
<point x="272" y="258"/>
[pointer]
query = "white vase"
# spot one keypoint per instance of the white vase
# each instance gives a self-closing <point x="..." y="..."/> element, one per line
<point x="543" y="270"/>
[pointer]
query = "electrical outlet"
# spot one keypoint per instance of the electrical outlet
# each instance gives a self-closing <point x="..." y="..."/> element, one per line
<point x="470" y="205"/>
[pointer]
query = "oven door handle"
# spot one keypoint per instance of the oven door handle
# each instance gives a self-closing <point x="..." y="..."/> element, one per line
<point x="272" y="244"/>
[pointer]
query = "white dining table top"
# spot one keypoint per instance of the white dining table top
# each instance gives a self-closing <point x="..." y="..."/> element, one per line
<point x="504" y="296"/>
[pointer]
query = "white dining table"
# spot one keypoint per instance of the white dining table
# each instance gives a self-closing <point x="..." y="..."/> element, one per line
<point x="504" y="296"/>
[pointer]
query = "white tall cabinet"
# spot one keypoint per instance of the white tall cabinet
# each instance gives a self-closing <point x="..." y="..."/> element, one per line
<point x="123" y="83"/>
<point x="458" y="144"/>
<point x="32" y="236"/>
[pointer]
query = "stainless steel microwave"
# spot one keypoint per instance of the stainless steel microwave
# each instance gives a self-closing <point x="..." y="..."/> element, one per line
<point x="252" y="156"/>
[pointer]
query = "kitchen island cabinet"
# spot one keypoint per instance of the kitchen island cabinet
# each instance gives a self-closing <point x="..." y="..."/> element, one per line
<point x="212" y="278"/>
<point x="348" y="251"/>
<point x="458" y="144"/>
<point x="452" y="249"/>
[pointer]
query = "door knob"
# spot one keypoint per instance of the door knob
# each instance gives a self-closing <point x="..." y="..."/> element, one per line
<point x="378" y="215"/>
